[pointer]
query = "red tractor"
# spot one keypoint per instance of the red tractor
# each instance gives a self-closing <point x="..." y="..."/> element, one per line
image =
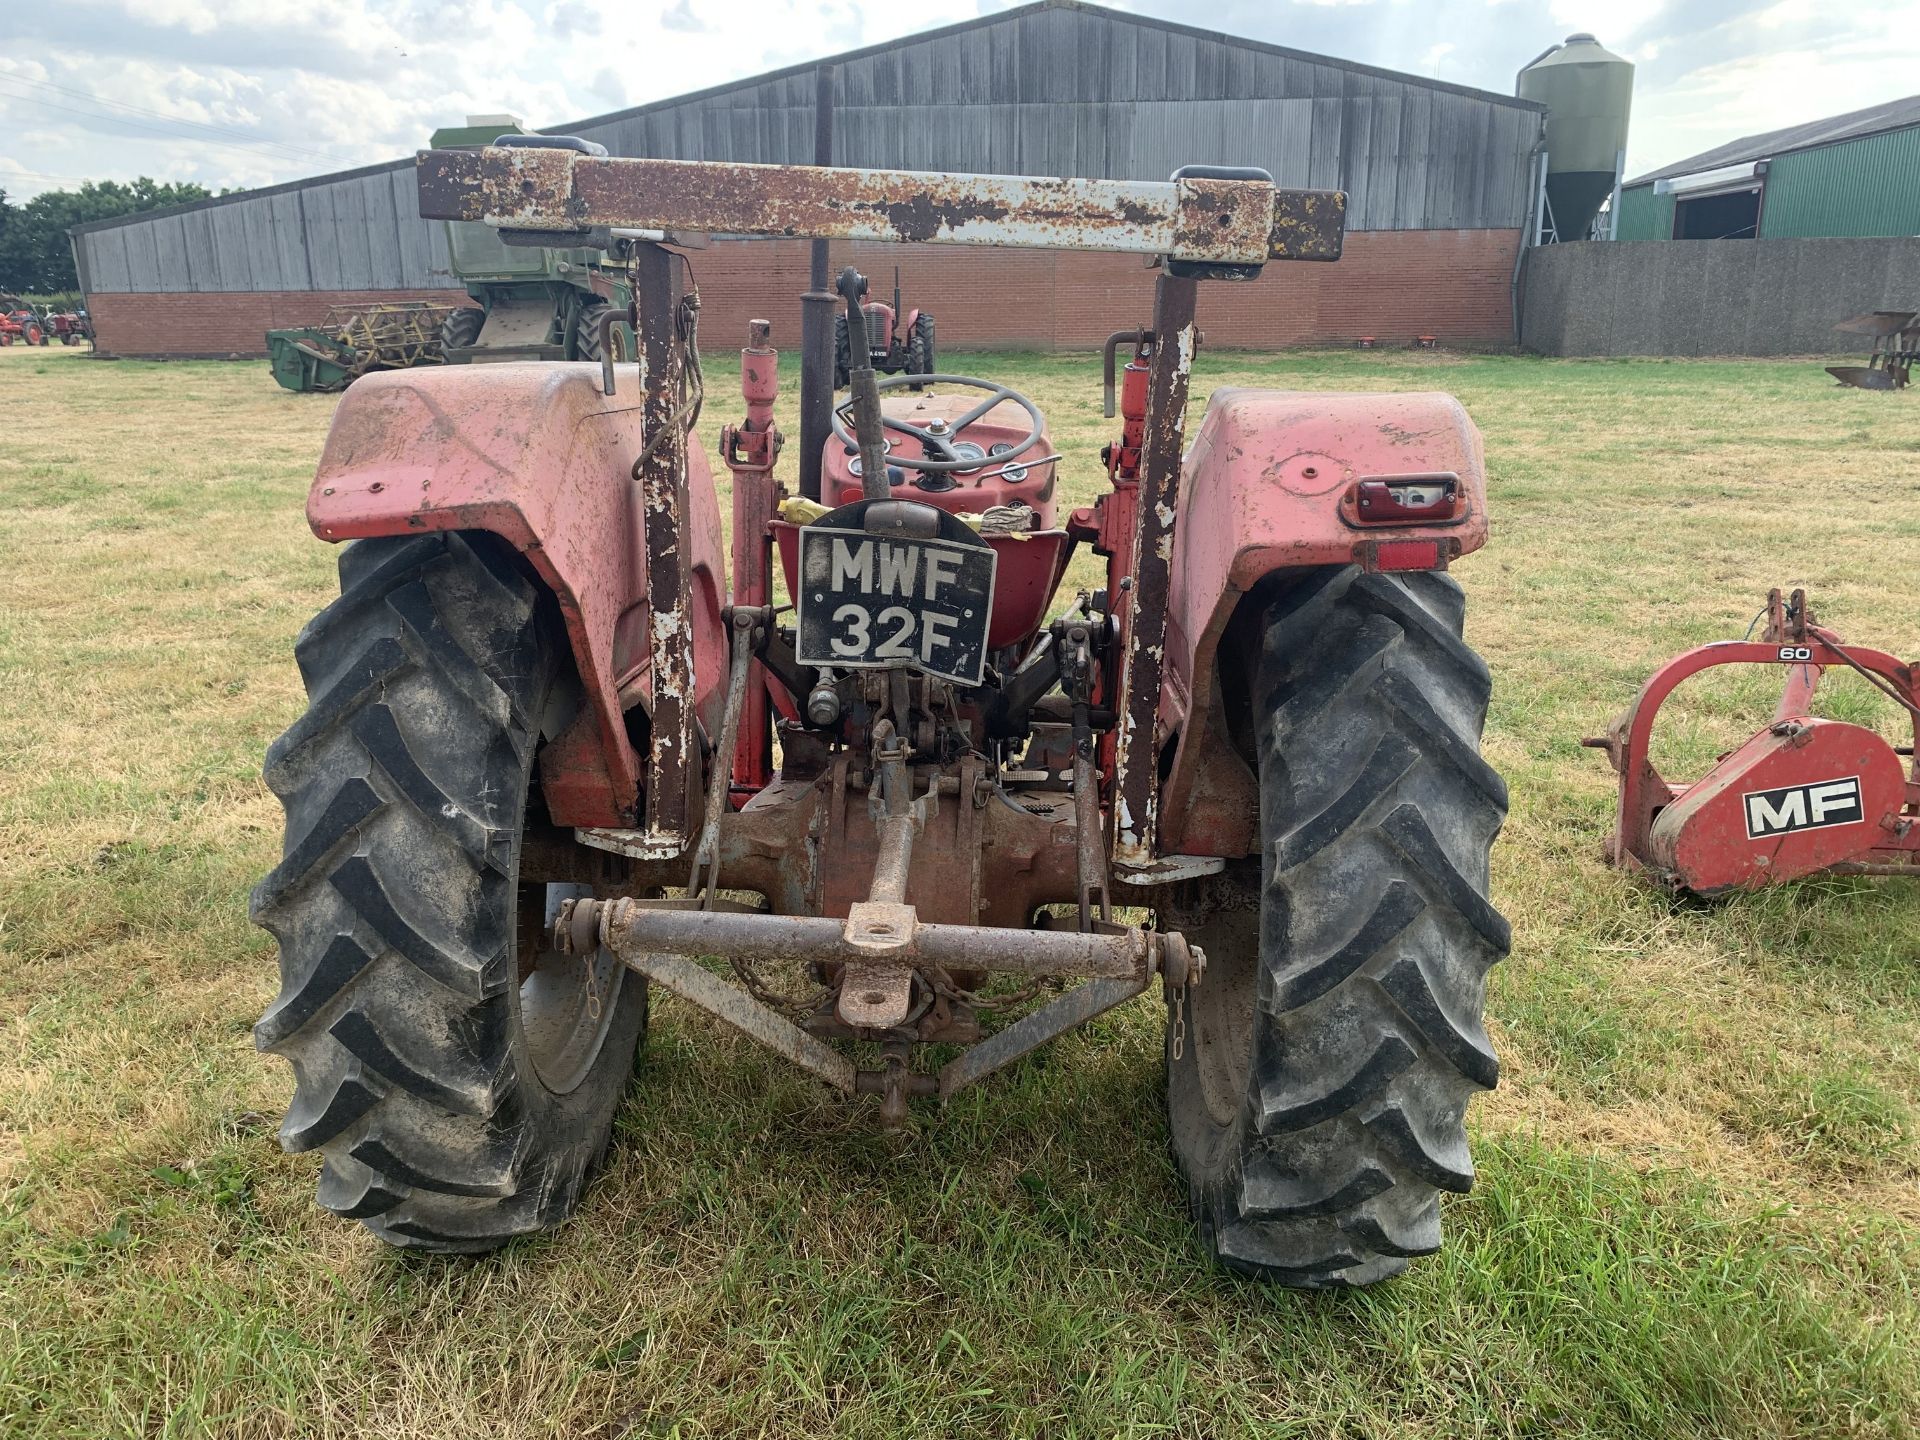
<point x="925" y="813"/>
<point x="23" y="325"/>
<point x="71" y="326"/>
<point x="896" y="340"/>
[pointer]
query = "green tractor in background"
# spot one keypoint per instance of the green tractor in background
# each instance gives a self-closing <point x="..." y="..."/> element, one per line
<point x="534" y="302"/>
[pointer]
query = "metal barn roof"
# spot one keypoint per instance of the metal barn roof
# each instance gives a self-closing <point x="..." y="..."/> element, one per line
<point x="1067" y="76"/>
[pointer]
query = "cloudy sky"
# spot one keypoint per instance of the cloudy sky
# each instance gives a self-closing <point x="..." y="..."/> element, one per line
<point x="250" y="92"/>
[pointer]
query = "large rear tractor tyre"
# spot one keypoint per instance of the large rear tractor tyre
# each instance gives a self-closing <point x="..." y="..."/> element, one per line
<point x="1317" y="1106"/>
<point x="462" y="328"/>
<point x="921" y="359"/>
<point x="586" y="331"/>
<point x="457" y="1077"/>
<point x="842" y="354"/>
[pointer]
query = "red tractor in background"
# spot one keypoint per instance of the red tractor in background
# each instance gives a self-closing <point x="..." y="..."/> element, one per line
<point x="22" y="325"/>
<point x="896" y="340"/>
<point x="73" y="327"/>
<point x="925" y="813"/>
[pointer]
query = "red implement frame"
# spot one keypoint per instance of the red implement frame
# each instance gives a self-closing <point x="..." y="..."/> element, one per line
<point x="1806" y="650"/>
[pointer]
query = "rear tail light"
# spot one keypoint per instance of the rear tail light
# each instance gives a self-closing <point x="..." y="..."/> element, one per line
<point x="1404" y="499"/>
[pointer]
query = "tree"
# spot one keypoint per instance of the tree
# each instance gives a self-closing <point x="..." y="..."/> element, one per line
<point x="35" y="253"/>
<point x="9" y="227"/>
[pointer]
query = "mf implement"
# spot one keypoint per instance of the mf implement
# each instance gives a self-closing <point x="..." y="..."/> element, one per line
<point x="1804" y="795"/>
<point x="868" y="784"/>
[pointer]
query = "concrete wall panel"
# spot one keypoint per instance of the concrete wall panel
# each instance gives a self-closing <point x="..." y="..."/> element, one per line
<point x="1712" y="297"/>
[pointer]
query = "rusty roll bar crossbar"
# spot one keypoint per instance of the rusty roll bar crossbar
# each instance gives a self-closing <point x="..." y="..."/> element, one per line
<point x="1194" y="218"/>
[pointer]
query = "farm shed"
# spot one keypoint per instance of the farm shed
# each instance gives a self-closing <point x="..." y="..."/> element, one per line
<point x="1436" y="174"/>
<point x="1851" y="175"/>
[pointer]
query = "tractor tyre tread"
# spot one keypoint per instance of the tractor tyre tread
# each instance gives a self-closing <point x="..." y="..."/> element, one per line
<point x="586" y="331"/>
<point x="394" y="905"/>
<point x="842" y="353"/>
<point x="462" y="328"/>
<point x="1375" y="936"/>
<point x="922" y="358"/>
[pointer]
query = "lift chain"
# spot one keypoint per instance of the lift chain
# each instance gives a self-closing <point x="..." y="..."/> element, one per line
<point x="1179" y="1021"/>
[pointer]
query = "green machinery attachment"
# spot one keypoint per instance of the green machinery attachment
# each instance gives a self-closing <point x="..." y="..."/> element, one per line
<point x="533" y="302"/>
<point x="354" y="339"/>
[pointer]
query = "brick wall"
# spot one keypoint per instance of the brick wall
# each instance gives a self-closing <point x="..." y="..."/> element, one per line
<point x="221" y="325"/>
<point x="1391" y="284"/>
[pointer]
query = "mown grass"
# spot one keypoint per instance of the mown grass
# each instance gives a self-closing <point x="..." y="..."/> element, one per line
<point x="1699" y="1198"/>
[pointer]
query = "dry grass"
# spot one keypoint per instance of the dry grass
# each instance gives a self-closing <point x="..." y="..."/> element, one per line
<point x="1700" y="1180"/>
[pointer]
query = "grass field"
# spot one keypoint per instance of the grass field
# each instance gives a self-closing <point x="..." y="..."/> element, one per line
<point x="1699" y="1200"/>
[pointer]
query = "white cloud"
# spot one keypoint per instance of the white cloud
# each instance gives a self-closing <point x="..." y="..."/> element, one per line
<point x="360" y="81"/>
<point x="680" y="16"/>
<point x="1619" y="19"/>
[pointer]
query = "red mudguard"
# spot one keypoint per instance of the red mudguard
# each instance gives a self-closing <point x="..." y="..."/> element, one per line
<point x="536" y="454"/>
<point x="1275" y="480"/>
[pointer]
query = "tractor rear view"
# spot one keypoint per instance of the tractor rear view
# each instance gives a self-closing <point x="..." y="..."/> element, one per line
<point x="870" y="787"/>
<point x="897" y="341"/>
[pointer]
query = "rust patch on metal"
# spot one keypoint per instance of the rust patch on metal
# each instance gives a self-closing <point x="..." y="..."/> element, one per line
<point x="662" y="473"/>
<point x="921" y="217"/>
<point x="1307" y="225"/>
<point x="633" y="929"/>
<point x="1219" y="214"/>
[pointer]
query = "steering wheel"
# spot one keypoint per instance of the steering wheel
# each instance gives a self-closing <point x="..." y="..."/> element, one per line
<point x="939" y="453"/>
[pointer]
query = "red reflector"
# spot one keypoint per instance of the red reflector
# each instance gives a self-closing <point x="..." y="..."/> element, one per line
<point x="1407" y="555"/>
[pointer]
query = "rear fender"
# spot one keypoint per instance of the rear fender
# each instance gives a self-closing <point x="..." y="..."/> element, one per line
<point x="1268" y="487"/>
<point x="535" y="454"/>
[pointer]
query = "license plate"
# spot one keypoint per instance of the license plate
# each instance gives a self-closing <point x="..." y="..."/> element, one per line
<point x="882" y="600"/>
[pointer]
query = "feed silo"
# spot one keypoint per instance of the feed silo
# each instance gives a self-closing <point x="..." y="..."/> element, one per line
<point x="1588" y="92"/>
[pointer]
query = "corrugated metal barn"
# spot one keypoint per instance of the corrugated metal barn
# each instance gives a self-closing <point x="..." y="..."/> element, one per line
<point x="1436" y="174"/>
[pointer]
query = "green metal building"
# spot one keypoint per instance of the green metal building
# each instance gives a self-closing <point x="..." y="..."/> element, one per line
<point x="1856" y="174"/>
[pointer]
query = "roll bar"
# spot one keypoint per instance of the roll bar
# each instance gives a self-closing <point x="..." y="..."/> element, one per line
<point x="1200" y="219"/>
